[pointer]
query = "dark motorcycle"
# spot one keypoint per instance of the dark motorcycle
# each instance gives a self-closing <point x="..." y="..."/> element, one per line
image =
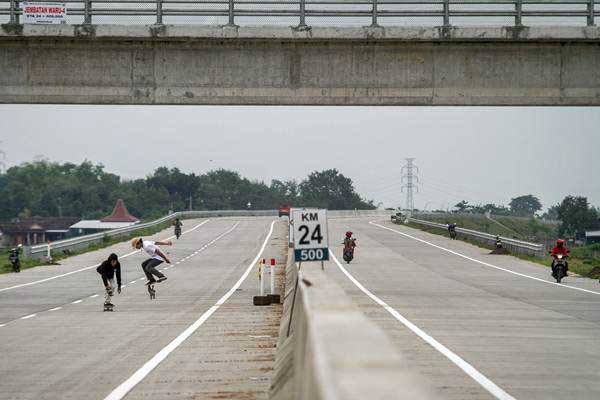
<point x="15" y="260"/>
<point x="177" y="232"/>
<point x="559" y="267"/>
<point x="452" y="231"/>
<point x="348" y="254"/>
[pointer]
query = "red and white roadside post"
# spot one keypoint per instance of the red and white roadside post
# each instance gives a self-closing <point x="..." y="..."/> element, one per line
<point x="262" y="300"/>
<point x="275" y="298"/>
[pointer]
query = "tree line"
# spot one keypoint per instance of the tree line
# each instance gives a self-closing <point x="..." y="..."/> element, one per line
<point x="575" y="212"/>
<point x="44" y="188"/>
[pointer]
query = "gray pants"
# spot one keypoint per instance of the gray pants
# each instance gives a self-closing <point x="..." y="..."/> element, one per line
<point x="109" y="290"/>
<point x="149" y="267"/>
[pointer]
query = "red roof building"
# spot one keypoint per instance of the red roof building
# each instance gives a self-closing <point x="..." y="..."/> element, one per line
<point x="120" y="214"/>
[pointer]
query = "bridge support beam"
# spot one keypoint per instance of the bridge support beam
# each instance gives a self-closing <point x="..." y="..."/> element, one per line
<point x="285" y="66"/>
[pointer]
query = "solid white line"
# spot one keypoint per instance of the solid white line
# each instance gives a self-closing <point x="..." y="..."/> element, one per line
<point x="477" y="376"/>
<point x="28" y="316"/>
<point x="55" y="309"/>
<point x="141" y="373"/>
<point x="86" y="268"/>
<point x="483" y="262"/>
<point x="76" y="301"/>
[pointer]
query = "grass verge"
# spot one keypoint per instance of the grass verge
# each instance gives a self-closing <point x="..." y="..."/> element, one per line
<point x="583" y="261"/>
<point x="26" y="263"/>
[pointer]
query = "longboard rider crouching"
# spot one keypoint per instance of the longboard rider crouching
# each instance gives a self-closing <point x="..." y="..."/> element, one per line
<point x="157" y="257"/>
<point x="108" y="269"/>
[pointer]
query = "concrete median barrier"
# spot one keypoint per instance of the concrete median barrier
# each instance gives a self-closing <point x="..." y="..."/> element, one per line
<point x="333" y="351"/>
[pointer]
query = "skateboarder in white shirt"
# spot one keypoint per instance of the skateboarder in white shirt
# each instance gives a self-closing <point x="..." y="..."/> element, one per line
<point x="157" y="257"/>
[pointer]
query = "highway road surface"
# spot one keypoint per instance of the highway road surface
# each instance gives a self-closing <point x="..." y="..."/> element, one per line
<point x="477" y="326"/>
<point x="200" y="338"/>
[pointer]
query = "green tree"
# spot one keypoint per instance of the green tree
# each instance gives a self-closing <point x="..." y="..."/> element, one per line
<point x="462" y="206"/>
<point x="525" y="206"/>
<point x="552" y="212"/>
<point x="576" y="215"/>
<point x="332" y="190"/>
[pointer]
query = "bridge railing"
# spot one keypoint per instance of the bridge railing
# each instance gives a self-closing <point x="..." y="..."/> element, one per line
<point x="330" y="12"/>
<point x="80" y="242"/>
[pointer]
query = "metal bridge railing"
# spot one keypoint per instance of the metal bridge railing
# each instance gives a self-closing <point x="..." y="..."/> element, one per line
<point x="394" y="12"/>
<point x="513" y="245"/>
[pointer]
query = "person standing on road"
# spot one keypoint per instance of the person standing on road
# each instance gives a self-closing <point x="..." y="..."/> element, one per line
<point x="108" y="269"/>
<point x="157" y="257"/>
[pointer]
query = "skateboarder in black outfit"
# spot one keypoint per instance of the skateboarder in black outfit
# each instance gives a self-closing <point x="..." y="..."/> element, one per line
<point x="108" y="269"/>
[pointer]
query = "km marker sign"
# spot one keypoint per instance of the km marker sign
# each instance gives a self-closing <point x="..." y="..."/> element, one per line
<point x="310" y="235"/>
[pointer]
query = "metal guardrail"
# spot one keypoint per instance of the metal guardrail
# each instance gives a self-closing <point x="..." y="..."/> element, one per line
<point x="510" y="244"/>
<point x="79" y="242"/>
<point x="442" y="10"/>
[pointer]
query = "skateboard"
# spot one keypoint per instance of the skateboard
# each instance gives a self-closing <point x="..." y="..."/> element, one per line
<point x="109" y="307"/>
<point x="152" y="291"/>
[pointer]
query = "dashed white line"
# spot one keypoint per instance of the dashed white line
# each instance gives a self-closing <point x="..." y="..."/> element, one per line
<point x="76" y="301"/>
<point x="1" y="325"/>
<point x="141" y="373"/>
<point x="29" y="316"/>
<point x="55" y="309"/>
<point x="483" y="262"/>
<point x="477" y="376"/>
<point x="94" y="295"/>
<point x="86" y="268"/>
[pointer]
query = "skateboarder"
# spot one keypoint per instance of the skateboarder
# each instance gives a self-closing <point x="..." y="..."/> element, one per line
<point x="108" y="269"/>
<point x="157" y="257"/>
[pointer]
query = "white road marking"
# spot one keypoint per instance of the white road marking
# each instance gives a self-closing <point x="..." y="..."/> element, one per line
<point x="485" y="263"/>
<point x="1" y="325"/>
<point x="477" y="376"/>
<point x="86" y="268"/>
<point x="29" y="316"/>
<point x="55" y="309"/>
<point x="94" y="295"/>
<point x="76" y="301"/>
<point x="141" y="373"/>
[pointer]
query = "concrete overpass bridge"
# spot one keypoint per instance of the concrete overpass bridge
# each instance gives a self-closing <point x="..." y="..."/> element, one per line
<point x="381" y="60"/>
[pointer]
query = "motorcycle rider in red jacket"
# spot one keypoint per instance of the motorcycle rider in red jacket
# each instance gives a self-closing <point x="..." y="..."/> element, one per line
<point x="561" y="249"/>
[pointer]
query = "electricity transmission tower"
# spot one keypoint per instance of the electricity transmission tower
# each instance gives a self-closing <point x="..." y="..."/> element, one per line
<point x="409" y="182"/>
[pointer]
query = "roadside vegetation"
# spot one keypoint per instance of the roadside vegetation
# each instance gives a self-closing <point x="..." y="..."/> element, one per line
<point x="6" y="267"/>
<point x="87" y="191"/>
<point x="584" y="260"/>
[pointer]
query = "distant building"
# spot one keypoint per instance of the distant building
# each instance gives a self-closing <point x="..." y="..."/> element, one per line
<point x="119" y="218"/>
<point x="35" y="230"/>
<point x="592" y="237"/>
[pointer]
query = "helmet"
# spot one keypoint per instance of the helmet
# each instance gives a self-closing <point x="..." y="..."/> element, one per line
<point x="135" y="242"/>
<point x="560" y="242"/>
<point x="348" y="234"/>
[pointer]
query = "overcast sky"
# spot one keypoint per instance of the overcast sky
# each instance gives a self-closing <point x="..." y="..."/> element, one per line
<point x="477" y="154"/>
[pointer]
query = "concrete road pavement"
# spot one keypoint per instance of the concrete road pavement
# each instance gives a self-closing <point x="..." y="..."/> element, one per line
<point x="67" y="348"/>
<point x="531" y="338"/>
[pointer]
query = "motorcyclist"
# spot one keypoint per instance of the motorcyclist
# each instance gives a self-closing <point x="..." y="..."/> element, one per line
<point x="15" y="259"/>
<point x="178" y="224"/>
<point x="452" y="229"/>
<point x="349" y="241"/>
<point x="561" y="249"/>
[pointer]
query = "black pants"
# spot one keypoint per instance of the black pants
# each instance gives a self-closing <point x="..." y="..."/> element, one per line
<point x="149" y="267"/>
